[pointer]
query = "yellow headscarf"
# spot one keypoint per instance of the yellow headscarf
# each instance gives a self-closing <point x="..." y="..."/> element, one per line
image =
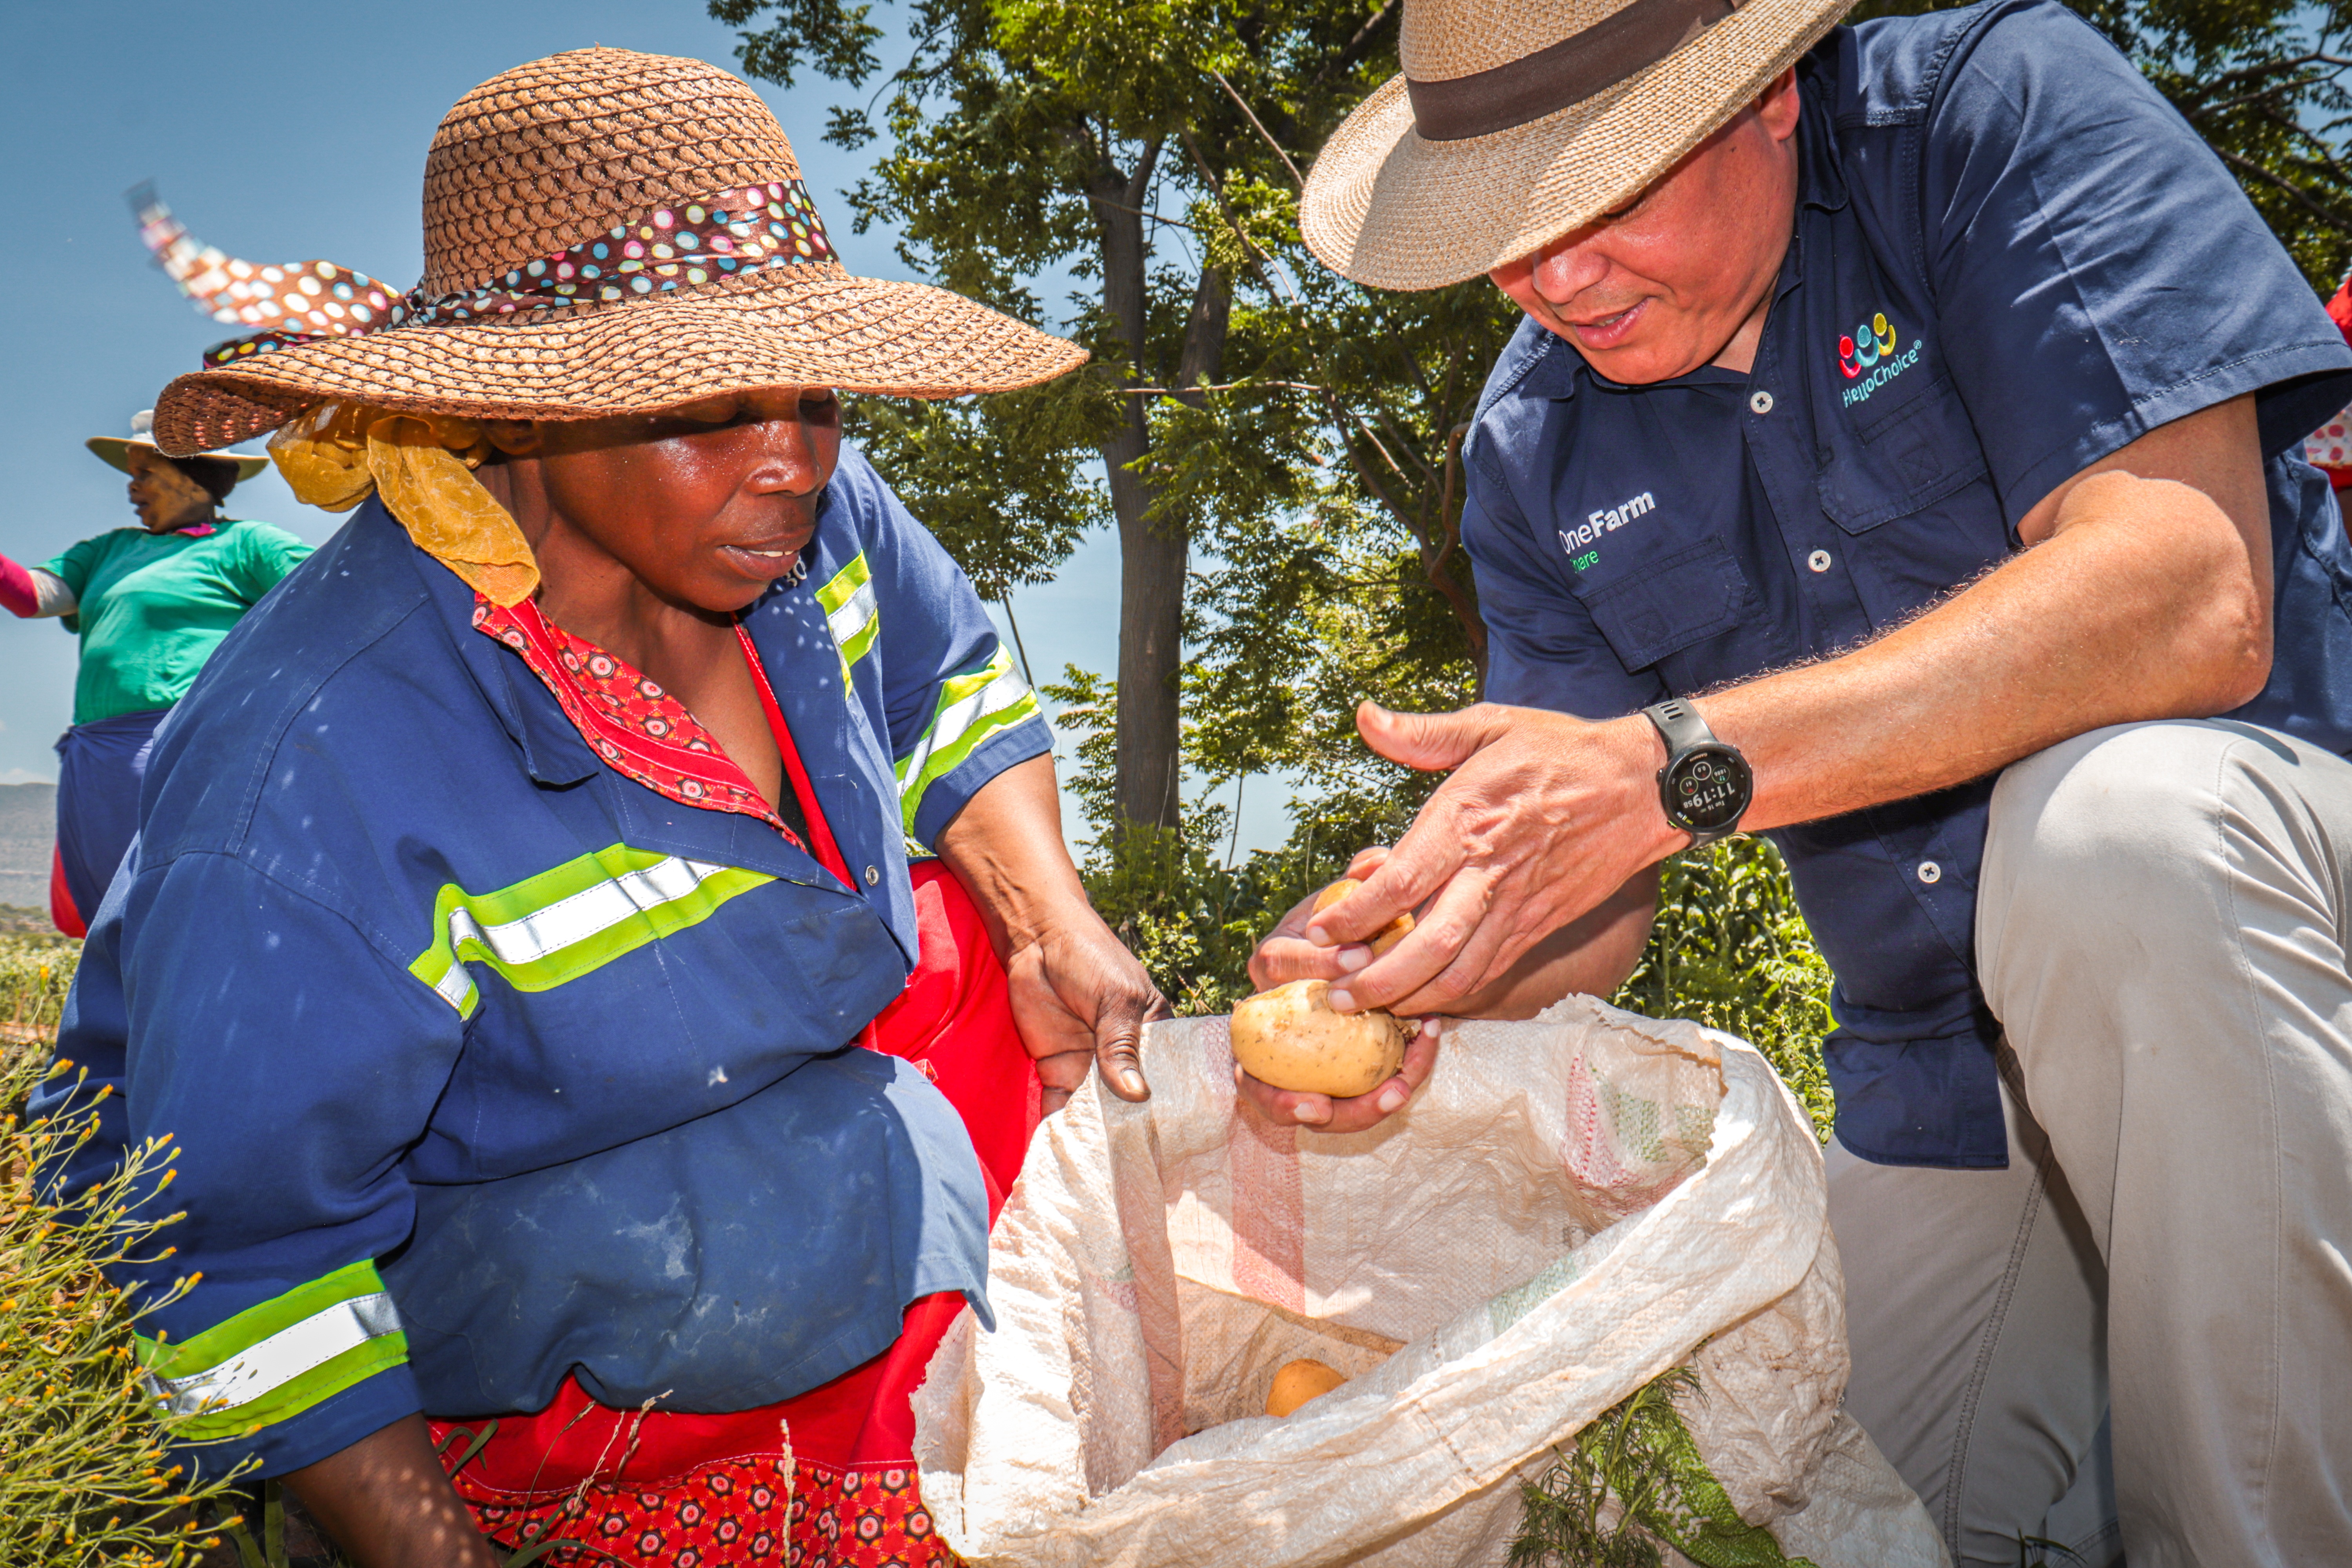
<point x="423" y="464"/>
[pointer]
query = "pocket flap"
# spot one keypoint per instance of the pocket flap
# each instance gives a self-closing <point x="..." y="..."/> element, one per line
<point x="1689" y="595"/>
<point x="1900" y="460"/>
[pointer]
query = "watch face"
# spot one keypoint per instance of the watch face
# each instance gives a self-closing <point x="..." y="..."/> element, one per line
<point x="1708" y="789"/>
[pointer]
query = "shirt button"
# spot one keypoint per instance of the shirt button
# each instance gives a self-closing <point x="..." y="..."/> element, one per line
<point x="872" y="876"/>
<point x="1819" y="561"/>
<point x="1930" y="873"/>
<point x="1760" y="401"/>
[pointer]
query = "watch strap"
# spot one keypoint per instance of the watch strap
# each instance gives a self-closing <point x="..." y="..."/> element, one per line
<point x="1679" y="723"/>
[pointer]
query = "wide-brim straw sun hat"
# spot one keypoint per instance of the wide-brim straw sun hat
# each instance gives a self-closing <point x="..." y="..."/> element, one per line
<point x="114" y="451"/>
<point x="1516" y="121"/>
<point x="605" y="233"/>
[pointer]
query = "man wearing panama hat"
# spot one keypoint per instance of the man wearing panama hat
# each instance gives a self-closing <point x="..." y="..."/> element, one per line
<point x="601" y="936"/>
<point x="149" y="604"/>
<point x="1899" y="455"/>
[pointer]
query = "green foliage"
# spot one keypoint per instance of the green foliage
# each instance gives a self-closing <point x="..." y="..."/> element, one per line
<point x="36" y="971"/>
<point x="1730" y="949"/>
<point x="1301" y="432"/>
<point x="1630" y="1481"/>
<point x="1192" y="917"/>
<point x="84" y="1474"/>
<point x="2263" y="82"/>
<point x="998" y="478"/>
<point x="838" y="37"/>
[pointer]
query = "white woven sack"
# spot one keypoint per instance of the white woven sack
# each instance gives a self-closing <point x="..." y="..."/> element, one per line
<point x="1570" y="1208"/>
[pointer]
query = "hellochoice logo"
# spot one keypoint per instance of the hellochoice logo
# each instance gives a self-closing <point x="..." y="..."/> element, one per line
<point x="1867" y="357"/>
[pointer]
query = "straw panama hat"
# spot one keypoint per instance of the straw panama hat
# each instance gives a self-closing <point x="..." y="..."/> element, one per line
<point x="1516" y="121"/>
<point x="115" y="450"/>
<point x="605" y="233"/>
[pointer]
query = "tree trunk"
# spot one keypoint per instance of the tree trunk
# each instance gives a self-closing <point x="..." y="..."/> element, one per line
<point x="1153" y="558"/>
<point x="1153" y="552"/>
<point x="1153" y="561"/>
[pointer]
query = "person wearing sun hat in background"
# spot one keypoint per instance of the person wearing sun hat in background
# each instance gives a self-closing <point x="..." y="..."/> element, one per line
<point x="570" y="1078"/>
<point x="1901" y="454"/>
<point x="150" y="604"/>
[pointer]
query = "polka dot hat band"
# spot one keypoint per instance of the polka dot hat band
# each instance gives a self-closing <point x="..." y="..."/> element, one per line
<point x="740" y="231"/>
<point x="606" y="234"/>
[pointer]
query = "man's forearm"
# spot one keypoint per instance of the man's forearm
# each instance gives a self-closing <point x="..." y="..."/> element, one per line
<point x="2146" y="599"/>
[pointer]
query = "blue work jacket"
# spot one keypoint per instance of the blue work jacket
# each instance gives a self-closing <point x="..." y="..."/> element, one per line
<point x="2010" y="258"/>
<point x="485" y="1063"/>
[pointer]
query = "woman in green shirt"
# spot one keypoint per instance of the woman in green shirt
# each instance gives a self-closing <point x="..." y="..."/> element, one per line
<point x="150" y="604"/>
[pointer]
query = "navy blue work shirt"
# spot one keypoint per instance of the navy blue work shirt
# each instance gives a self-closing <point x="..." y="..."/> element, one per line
<point x="2011" y="258"/>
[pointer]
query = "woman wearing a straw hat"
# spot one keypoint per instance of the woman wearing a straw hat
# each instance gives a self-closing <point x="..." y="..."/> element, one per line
<point x="150" y="604"/>
<point x="1936" y="366"/>
<point x="521" y="943"/>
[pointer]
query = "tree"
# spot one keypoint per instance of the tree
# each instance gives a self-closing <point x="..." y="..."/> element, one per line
<point x="1240" y="398"/>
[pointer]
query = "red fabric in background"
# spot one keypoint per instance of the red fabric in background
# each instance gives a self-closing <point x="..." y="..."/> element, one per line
<point x="2329" y="447"/>
<point x="62" y="913"/>
<point x="16" y="595"/>
<point x="670" y="1489"/>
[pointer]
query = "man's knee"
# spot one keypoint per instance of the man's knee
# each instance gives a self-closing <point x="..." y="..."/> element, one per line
<point x="2095" y="837"/>
<point x="2116" y="802"/>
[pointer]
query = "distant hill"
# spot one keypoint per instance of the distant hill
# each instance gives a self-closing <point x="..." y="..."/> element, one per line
<point x="28" y="834"/>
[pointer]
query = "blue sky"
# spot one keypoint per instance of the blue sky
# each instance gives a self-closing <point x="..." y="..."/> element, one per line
<point x="284" y="131"/>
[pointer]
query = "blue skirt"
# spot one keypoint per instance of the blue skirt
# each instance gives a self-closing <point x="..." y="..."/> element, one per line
<point x="100" y="765"/>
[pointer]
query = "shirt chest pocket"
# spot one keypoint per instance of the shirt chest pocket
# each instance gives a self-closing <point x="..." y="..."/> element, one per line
<point x="1696" y="593"/>
<point x="1879" y="464"/>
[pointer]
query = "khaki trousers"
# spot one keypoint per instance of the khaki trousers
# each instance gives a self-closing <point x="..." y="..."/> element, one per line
<point x="2163" y="918"/>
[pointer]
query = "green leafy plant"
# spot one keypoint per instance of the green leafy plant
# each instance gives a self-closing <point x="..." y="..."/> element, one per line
<point x="36" y="969"/>
<point x="1631" y="1480"/>
<point x="86" y="1477"/>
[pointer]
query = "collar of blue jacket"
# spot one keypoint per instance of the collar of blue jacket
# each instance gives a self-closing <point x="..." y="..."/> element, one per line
<point x="486" y="1063"/>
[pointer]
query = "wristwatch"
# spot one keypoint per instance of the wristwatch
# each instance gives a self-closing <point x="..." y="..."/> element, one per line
<point x="1705" y="784"/>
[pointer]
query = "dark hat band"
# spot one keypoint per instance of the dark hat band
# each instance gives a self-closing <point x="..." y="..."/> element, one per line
<point x="1526" y="89"/>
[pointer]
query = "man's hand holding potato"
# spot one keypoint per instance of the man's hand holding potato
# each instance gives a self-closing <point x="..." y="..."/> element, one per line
<point x="1531" y="873"/>
<point x="1286" y="956"/>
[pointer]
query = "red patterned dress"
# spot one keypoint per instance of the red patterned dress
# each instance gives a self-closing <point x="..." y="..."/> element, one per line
<point x="826" y="1480"/>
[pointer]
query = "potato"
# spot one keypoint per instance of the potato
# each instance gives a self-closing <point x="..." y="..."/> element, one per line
<point x="1299" y="1381"/>
<point x="1387" y="937"/>
<point x="1289" y="1037"/>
